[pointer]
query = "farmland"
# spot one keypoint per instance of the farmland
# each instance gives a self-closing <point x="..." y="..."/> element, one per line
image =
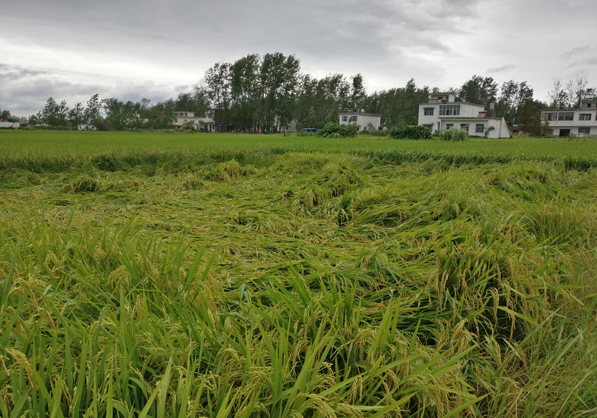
<point x="268" y="276"/>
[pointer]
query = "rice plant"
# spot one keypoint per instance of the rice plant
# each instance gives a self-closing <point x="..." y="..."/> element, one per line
<point x="267" y="282"/>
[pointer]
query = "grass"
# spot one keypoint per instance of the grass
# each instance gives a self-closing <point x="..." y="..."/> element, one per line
<point x="216" y="282"/>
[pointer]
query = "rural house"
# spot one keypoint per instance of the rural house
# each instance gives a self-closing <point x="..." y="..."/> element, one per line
<point x="361" y="118"/>
<point x="568" y="122"/>
<point x="201" y="124"/>
<point x="443" y="112"/>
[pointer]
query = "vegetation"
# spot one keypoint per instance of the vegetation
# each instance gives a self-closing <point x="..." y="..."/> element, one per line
<point x="334" y="130"/>
<point x="410" y="132"/>
<point x="454" y="134"/>
<point x="206" y="281"/>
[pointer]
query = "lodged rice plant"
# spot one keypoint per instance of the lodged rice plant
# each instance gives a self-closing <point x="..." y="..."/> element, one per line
<point x="317" y="284"/>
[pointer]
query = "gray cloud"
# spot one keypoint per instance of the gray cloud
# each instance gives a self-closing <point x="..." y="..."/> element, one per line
<point x="576" y="52"/>
<point x="501" y="69"/>
<point x="151" y="48"/>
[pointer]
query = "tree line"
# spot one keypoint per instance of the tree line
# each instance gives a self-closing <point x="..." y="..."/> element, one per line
<point x="266" y="93"/>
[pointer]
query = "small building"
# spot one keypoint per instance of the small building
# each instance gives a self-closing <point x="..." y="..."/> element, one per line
<point x="9" y="125"/>
<point x="205" y="124"/>
<point x="361" y="118"/>
<point x="443" y="112"/>
<point x="581" y="121"/>
<point x="86" y="127"/>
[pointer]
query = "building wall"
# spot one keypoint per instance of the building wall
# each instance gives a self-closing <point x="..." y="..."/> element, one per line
<point x="573" y="124"/>
<point x="500" y="127"/>
<point x="467" y="110"/>
<point x="362" y="120"/>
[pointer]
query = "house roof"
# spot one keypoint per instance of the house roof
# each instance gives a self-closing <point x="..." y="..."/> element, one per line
<point x="469" y="103"/>
<point x="358" y="113"/>
<point x="466" y="118"/>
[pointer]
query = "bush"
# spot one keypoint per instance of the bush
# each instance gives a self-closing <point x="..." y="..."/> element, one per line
<point x="454" y="134"/>
<point x="334" y="130"/>
<point x="410" y="132"/>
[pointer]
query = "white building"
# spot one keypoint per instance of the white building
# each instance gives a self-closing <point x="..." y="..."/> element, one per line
<point x="11" y="125"/>
<point x="361" y="118"/>
<point x="443" y="112"/>
<point x="201" y="124"/>
<point x="573" y="122"/>
<point x="86" y="127"/>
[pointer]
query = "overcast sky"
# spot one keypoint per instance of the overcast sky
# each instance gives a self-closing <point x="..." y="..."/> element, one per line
<point x="130" y="49"/>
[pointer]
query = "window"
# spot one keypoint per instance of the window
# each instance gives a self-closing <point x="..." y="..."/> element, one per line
<point x="428" y="111"/>
<point x="449" y="125"/>
<point x="479" y="128"/>
<point x="344" y="118"/>
<point x="584" y="130"/>
<point x="430" y="127"/>
<point x="589" y="104"/>
<point x="549" y="116"/>
<point x="447" y="110"/>
<point x="353" y="119"/>
<point x="584" y="116"/>
<point x="566" y="116"/>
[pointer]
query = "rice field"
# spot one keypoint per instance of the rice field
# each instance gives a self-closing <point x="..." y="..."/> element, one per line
<point x="266" y="276"/>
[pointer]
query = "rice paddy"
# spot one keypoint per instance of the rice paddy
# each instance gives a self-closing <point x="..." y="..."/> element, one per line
<point x="268" y="276"/>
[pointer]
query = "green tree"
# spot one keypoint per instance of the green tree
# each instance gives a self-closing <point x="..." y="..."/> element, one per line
<point x="76" y="114"/>
<point x="93" y="111"/>
<point x="530" y="119"/>
<point x="54" y="113"/>
<point x="479" y="90"/>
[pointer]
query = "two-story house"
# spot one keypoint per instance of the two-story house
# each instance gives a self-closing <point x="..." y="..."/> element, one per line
<point x="571" y="122"/>
<point x="359" y="117"/>
<point x="205" y="124"/>
<point x="442" y="111"/>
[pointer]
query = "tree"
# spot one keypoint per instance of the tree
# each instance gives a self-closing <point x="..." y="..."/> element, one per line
<point x="398" y="106"/>
<point x="530" y="119"/>
<point x="357" y="90"/>
<point x="5" y="114"/>
<point x="76" y="114"/>
<point x="54" y="113"/>
<point x="480" y="90"/>
<point x="92" y="114"/>
<point x="320" y="100"/>
<point x="279" y="82"/>
<point x="513" y="95"/>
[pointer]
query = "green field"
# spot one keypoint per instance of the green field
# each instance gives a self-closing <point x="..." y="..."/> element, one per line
<point x="171" y="275"/>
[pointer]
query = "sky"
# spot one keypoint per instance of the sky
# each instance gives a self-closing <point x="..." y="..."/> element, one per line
<point x="133" y="49"/>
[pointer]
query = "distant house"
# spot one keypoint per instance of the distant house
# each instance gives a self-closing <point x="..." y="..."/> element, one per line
<point x="443" y="112"/>
<point x="86" y="127"/>
<point x="576" y="121"/>
<point x="9" y="125"/>
<point x="360" y="117"/>
<point x="205" y="124"/>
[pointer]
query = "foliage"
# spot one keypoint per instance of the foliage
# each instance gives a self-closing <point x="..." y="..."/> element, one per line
<point x="479" y="90"/>
<point x="334" y="283"/>
<point x="5" y="114"/>
<point x="530" y="119"/>
<point x="454" y="135"/>
<point x="410" y="132"/>
<point x="398" y="106"/>
<point x="489" y="130"/>
<point x="334" y="130"/>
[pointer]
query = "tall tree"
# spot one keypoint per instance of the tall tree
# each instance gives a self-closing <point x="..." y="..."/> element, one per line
<point x="76" y="114"/>
<point x="480" y="90"/>
<point x="54" y="113"/>
<point x="93" y="111"/>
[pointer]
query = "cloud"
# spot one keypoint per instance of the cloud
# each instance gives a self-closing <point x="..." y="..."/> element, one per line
<point x="501" y="69"/>
<point x="583" y="50"/>
<point x="155" y="49"/>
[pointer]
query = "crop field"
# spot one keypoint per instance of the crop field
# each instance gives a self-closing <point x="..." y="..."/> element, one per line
<point x="170" y="275"/>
